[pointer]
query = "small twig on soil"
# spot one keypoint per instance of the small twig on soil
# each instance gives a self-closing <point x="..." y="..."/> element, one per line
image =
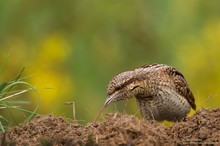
<point x="73" y="108"/>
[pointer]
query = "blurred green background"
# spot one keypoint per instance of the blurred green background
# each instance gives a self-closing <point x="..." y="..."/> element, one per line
<point x="75" y="47"/>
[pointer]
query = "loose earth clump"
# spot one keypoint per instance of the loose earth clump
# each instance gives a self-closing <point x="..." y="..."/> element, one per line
<point x="117" y="129"/>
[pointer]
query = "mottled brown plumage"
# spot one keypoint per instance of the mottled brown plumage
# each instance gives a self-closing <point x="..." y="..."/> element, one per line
<point x="161" y="91"/>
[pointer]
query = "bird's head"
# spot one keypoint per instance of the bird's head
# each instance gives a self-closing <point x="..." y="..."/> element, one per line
<point x="123" y="86"/>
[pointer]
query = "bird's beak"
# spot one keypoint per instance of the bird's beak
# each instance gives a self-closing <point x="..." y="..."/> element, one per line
<point x="107" y="102"/>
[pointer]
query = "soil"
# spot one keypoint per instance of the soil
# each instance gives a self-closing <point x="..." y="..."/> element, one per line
<point x="117" y="129"/>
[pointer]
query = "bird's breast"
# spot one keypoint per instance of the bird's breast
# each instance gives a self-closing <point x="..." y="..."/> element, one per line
<point x="166" y="104"/>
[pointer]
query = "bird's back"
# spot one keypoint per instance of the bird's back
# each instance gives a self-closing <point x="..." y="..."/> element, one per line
<point x="167" y="96"/>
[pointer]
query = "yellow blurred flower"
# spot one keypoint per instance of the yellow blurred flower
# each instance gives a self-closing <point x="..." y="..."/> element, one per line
<point x="49" y="72"/>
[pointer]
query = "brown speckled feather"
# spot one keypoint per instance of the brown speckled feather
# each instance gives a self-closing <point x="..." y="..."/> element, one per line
<point x="177" y="77"/>
<point x="181" y="85"/>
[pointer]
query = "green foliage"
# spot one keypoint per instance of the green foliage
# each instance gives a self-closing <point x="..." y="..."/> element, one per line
<point x="10" y="99"/>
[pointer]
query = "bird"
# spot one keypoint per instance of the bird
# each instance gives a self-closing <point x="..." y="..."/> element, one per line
<point x="161" y="92"/>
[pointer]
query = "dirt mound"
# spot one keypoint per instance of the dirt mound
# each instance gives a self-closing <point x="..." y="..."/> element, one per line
<point x="201" y="128"/>
<point x="117" y="129"/>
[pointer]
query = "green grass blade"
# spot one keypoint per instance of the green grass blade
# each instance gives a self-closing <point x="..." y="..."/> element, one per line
<point x="32" y="113"/>
<point x="17" y="78"/>
<point x="2" y="127"/>
<point x="15" y="94"/>
<point x="19" y="102"/>
<point x="2" y="86"/>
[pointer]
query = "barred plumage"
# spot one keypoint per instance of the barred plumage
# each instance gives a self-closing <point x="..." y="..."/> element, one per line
<point x="161" y="91"/>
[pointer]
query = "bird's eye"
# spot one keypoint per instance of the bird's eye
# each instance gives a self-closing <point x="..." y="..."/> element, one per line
<point x="117" y="88"/>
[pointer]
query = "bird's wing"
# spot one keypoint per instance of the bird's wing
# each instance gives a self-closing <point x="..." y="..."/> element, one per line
<point x="181" y="85"/>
